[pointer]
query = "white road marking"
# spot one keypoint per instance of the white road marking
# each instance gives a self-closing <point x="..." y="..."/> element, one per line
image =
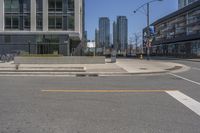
<point x="186" y="100"/>
<point x="185" y="78"/>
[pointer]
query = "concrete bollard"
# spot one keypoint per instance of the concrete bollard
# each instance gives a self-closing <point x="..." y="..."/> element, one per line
<point x="141" y="56"/>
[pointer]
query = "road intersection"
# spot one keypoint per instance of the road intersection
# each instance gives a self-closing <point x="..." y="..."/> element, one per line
<point x="157" y="103"/>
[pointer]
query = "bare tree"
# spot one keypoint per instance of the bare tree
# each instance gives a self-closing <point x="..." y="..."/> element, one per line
<point x="137" y="40"/>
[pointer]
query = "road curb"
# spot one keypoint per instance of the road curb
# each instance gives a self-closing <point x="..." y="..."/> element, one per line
<point x="87" y="74"/>
<point x="79" y="74"/>
<point x="192" y="60"/>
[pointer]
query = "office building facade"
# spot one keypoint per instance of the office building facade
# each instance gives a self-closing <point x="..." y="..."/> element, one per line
<point x="178" y="34"/>
<point x="104" y="33"/>
<point x="41" y="26"/>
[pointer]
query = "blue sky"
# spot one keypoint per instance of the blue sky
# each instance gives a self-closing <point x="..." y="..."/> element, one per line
<point x="112" y="8"/>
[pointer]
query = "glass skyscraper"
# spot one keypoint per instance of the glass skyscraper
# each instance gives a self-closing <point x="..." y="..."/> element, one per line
<point x="104" y="32"/>
<point x="122" y="33"/>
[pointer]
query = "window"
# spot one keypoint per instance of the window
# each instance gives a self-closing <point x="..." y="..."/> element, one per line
<point x="55" y="22"/>
<point x="11" y="22"/>
<point x="51" y="5"/>
<point x="59" y="5"/>
<point x="39" y="5"/>
<point x="71" y="5"/>
<point x="26" y="6"/>
<point x="51" y="22"/>
<point x="39" y="22"/>
<point x="7" y="5"/>
<point x="15" y="6"/>
<point x="15" y="22"/>
<point x="61" y="16"/>
<point x="26" y="22"/>
<point x="70" y="23"/>
<point x="17" y="14"/>
<point x="11" y="5"/>
<point x="55" y="5"/>
<point x="191" y="1"/>
<point x="58" y="22"/>
<point x="39" y="14"/>
<point x="55" y="14"/>
<point x="8" y="22"/>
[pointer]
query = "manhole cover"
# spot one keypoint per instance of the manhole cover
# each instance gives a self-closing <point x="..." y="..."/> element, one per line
<point x="87" y="75"/>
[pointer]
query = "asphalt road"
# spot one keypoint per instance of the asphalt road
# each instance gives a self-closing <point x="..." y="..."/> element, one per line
<point x="101" y="104"/>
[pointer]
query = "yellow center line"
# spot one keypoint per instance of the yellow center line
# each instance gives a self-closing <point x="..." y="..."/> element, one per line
<point x="106" y="91"/>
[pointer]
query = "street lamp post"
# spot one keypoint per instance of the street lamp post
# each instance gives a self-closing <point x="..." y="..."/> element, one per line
<point x="148" y="23"/>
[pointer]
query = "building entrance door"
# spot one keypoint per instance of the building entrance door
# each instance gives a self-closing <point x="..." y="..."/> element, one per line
<point x="47" y="49"/>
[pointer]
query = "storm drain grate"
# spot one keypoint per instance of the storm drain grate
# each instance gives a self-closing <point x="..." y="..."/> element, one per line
<point x="87" y="75"/>
<point x="143" y="68"/>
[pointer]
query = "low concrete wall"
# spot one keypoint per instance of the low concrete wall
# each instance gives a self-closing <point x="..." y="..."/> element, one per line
<point x="60" y="60"/>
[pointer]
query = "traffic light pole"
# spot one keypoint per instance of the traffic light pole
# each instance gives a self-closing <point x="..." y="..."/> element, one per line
<point x="148" y="24"/>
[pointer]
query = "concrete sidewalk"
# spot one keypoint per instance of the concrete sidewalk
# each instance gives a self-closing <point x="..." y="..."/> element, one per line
<point x="148" y="66"/>
<point x="121" y="67"/>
